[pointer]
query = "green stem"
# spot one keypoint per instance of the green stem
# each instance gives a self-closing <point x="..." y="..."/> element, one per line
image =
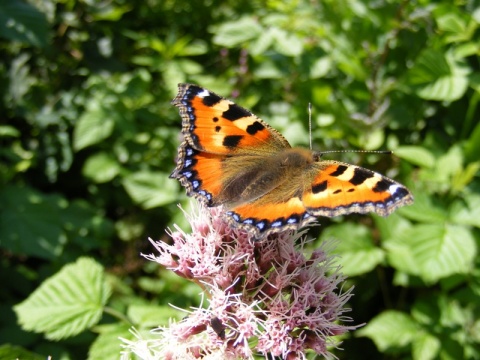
<point x="117" y="314"/>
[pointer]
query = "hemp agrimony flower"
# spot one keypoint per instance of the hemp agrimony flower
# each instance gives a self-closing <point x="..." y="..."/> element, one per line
<point x="266" y="297"/>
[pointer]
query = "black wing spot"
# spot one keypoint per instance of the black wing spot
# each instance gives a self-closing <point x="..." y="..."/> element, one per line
<point x="211" y="99"/>
<point x="318" y="188"/>
<point x="235" y="112"/>
<point x="218" y="128"/>
<point x="340" y="170"/>
<point x="382" y="185"/>
<point x="360" y="175"/>
<point x="215" y="119"/>
<point x="232" y="141"/>
<point x="254" y="128"/>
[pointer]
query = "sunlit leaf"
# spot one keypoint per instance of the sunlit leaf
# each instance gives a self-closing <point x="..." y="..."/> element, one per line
<point x="93" y="126"/>
<point x="433" y="251"/>
<point x="436" y="76"/>
<point x="153" y="316"/>
<point x="425" y="347"/>
<point x="466" y="211"/>
<point x="391" y="330"/>
<point x="107" y="345"/>
<point x="151" y="189"/>
<point x="67" y="303"/>
<point x="355" y="246"/>
<point x="233" y="33"/>
<point x="416" y="155"/>
<point x="101" y="167"/>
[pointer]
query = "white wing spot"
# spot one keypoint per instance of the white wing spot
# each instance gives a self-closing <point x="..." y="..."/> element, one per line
<point x="204" y="93"/>
<point x="392" y="189"/>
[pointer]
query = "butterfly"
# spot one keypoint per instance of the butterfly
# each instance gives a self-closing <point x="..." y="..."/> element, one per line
<point x="231" y="157"/>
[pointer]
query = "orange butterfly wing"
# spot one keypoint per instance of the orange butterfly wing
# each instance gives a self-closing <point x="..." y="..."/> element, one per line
<point x="231" y="157"/>
<point x="216" y="125"/>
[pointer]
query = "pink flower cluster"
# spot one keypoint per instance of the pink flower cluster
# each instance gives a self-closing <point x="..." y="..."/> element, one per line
<point x="264" y="297"/>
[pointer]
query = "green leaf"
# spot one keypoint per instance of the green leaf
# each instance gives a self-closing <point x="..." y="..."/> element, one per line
<point x="416" y="155"/>
<point x="432" y="251"/>
<point x="472" y="145"/>
<point x="151" y="189"/>
<point x="391" y="226"/>
<point x="464" y="177"/>
<point x="466" y="211"/>
<point x="8" y="352"/>
<point x="149" y="316"/>
<point x="67" y="303"/>
<point x="107" y="345"/>
<point x="9" y="131"/>
<point x="95" y="125"/>
<point x="31" y="223"/>
<point x="451" y="22"/>
<point x="425" y="347"/>
<point x="436" y="76"/>
<point x="391" y="330"/>
<point x="20" y="21"/>
<point x="287" y="44"/>
<point x="355" y="246"/>
<point x="425" y="209"/>
<point x="233" y="33"/>
<point x="321" y="67"/>
<point x="101" y="167"/>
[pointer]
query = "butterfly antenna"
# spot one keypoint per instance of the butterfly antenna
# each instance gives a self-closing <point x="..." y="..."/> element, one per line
<point x="383" y="152"/>
<point x="310" y="123"/>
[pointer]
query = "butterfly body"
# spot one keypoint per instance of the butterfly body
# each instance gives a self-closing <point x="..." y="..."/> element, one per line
<point x="232" y="158"/>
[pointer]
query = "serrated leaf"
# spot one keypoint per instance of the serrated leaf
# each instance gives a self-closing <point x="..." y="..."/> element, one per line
<point x="425" y="347"/>
<point x="355" y="246"/>
<point x="390" y="330"/>
<point x="151" y="189"/>
<point x="435" y="76"/>
<point x="67" y="303"/>
<point x="433" y="251"/>
<point x="20" y="21"/>
<point x="94" y="125"/>
<point x="416" y="155"/>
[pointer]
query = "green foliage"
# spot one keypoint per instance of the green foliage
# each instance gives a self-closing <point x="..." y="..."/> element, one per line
<point x="88" y="138"/>
<point x="66" y="304"/>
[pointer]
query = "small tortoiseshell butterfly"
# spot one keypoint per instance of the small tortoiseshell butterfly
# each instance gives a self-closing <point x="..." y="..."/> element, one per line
<point x="231" y="157"/>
